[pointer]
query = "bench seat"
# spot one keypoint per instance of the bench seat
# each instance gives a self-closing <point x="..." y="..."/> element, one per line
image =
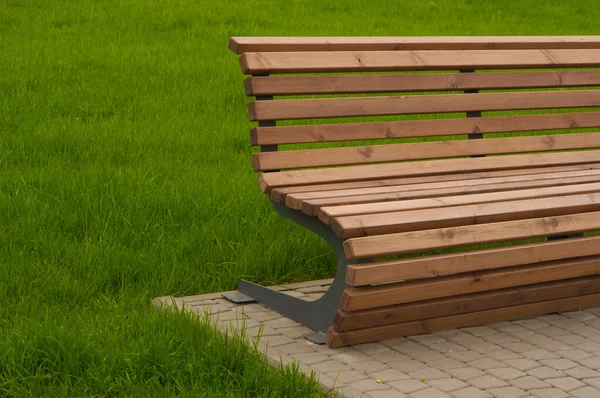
<point x="475" y="213"/>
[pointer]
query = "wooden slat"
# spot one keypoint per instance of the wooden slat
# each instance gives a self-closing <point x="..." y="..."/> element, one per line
<point x="360" y="298"/>
<point x="268" y="181"/>
<point x="306" y="158"/>
<point x="241" y="45"/>
<point x="363" y="274"/>
<point x="313" y="207"/>
<point x="390" y="83"/>
<point x="420" y="104"/>
<point x="406" y="242"/>
<point x="373" y="61"/>
<point x="415" y="220"/>
<point x="345" y="320"/>
<point x="336" y="339"/>
<point x="278" y="195"/>
<point x="420" y="128"/>
<point x="569" y="187"/>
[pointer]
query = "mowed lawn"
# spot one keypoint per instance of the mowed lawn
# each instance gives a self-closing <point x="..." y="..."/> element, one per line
<point x="125" y="174"/>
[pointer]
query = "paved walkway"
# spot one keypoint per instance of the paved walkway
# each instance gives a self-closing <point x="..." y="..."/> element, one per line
<point x="551" y="356"/>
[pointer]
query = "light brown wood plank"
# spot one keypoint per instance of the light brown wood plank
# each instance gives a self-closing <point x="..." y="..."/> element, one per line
<point x="360" y="298"/>
<point x="372" y="61"/>
<point x="313" y="206"/>
<point x="420" y="104"/>
<point x="406" y="242"/>
<point x="420" y="128"/>
<point x="268" y="181"/>
<point x="241" y="45"/>
<point x="390" y="83"/>
<point x="351" y="320"/>
<point x="336" y="339"/>
<point x="564" y="187"/>
<point x="473" y="214"/>
<point x="363" y="274"/>
<point x="306" y="158"/>
<point x="278" y="195"/>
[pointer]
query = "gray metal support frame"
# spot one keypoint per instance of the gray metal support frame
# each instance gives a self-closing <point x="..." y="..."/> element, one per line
<point x="316" y="315"/>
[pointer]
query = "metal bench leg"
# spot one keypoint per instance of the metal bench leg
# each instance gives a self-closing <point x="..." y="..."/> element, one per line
<point x="317" y="315"/>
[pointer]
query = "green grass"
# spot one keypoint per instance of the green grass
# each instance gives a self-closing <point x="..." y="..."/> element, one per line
<point x="125" y="174"/>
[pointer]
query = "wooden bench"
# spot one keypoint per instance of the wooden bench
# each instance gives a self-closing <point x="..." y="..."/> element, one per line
<point x="451" y="219"/>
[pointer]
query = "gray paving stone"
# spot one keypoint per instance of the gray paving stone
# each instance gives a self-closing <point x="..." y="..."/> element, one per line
<point x="539" y="354"/>
<point x="350" y="357"/>
<point x="487" y="381"/>
<point x="549" y="393"/>
<point x="529" y="383"/>
<point x="407" y="366"/>
<point x="503" y="354"/>
<point x="582" y="372"/>
<point x="559" y="364"/>
<point x="448" y="385"/>
<point x="523" y="364"/>
<point x="594" y="382"/>
<point x="371" y="348"/>
<point x="312" y="358"/>
<point x="430" y="393"/>
<point x="295" y="348"/>
<point x="470" y="392"/>
<point x="507" y="392"/>
<point x="484" y="347"/>
<point x="499" y="338"/>
<point x="518" y="347"/>
<point x="408" y="386"/>
<point x="533" y="324"/>
<point x="592" y="362"/>
<point x="565" y="383"/>
<point x="445" y="347"/>
<point x="388" y="375"/>
<point x="428" y="374"/>
<point x="387" y="394"/>
<point x="466" y="373"/>
<point x="586" y="392"/>
<point x="281" y="323"/>
<point x="552" y="331"/>
<point x="506" y="374"/>
<point x="264" y="316"/>
<point x="545" y="372"/>
<point x="391" y="356"/>
<point x="369" y="385"/>
<point x="294" y="332"/>
<point x="446" y="363"/>
<point x="486" y="363"/>
<point x="330" y="366"/>
<point x="465" y="339"/>
<point x="480" y="330"/>
<point x="464" y="356"/>
<point x="368" y="366"/>
<point x="347" y="376"/>
<point x="573" y="354"/>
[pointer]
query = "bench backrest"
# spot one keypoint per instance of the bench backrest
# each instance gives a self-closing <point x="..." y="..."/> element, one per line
<point x="430" y="89"/>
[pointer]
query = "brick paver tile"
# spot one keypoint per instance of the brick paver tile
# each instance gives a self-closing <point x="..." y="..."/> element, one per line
<point x="552" y="331"/>
<point x="506" y="373"/>
<point x="465" y="356"/>
<point x="518" y="346"/>
<point x="371" y="348"/>
<point x="391" y="356"/>
<point x="368" y="366"/>
<point x="251" y="308"/>
<point x="347" y="376"/>
<point x="369" y="385"/>
<point x="264" y="316"/>
<point x="445" y="347"/>
<point x="427" y="339"/>
<point x="592" y="362"/>
<point x="350" y="357"/>
<point x="465" y="373"/>
<point x="545" y="372"/>
<point x="295" y="348"/>
<point x="586" y="392"/>
<point x="573" y="354"/>
<point x="487" y="381"/>
<point x="539" y="354"/>
<point x="580" y="316"/>
<point x="430" y="393"/>
<point x="582" y="372"/>
<point x="387" y="394"/>
<point x="407" y="366"/>
<point x="529" y="383"/>
<point x="533" y="324"/>
<point x="533" y="338"/>
<point x="281" y="323"/>
<point x="446" y="363"/>
<point x="503" y="354"/>
<point x="559" y="364"/>
<point x="566" y="383"/>
<point x="464" y="338"/>
<point x="470" y="392"/>
<point x="408" y="347"/>
<point x="499" y="338"/>
<point x="571" y="339"/>
<point x="594" y="382"/>
<point x="448" y="385"/>
<point x="484" y="347"/>
<point x="480" y="330"/>
<point x="486" y="363"/>
<point x="295" y="332"/>
<point x="553" y="346"/>
<point x="330" y="366"/>
<point x="590" y="346"/>
<point x="507" y="392"/>
<point x="312" y="358"/>
<point x="408" y="386"/>
<point x="388" y="375"/>
<point x="428" y="374"/>
<point x="549" y="393"/>
<point x="523" y="364"/>
<point x="262" y="331"/>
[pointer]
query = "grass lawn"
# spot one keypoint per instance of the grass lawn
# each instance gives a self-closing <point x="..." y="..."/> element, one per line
<point x="125" y="174"/>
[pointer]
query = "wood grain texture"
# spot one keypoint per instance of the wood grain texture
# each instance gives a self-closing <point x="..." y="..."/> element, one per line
<point x="360" y="298"/>
<point x="241" y="45"/>
<point x="335" y="339"/>
<point x="373" y="61"/>
<point x="475" y="260"/>
<point x="390" y="83"/>
<point x="306" y="158"/>
<point x="268" y="181"/>
<point x="352" y="320"/>
<point x="406" y="242"/>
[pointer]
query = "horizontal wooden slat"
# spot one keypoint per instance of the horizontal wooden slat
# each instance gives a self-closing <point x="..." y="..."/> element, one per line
<point x="572" y="186"/>
<point x="372" y="61"/>
<point x="278" y="195"/>
<point x="297" y="159"/>
<point x="360" y="298"/>
<point x="390" y="83"/>
<point x="268" y="181"/>
<point x="336" y="339"/>
<point x="419" y="104"/>
<point x="482" y="213"/>
<point x="241" y="45"/>
<point x="313" y="207"/>
<point x="406" y="242"/>
<point x="363" y="274"/>
<point x="345" y="320"/>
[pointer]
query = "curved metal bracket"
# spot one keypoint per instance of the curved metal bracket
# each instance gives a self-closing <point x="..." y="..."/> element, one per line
<point x="317" y="315"/>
